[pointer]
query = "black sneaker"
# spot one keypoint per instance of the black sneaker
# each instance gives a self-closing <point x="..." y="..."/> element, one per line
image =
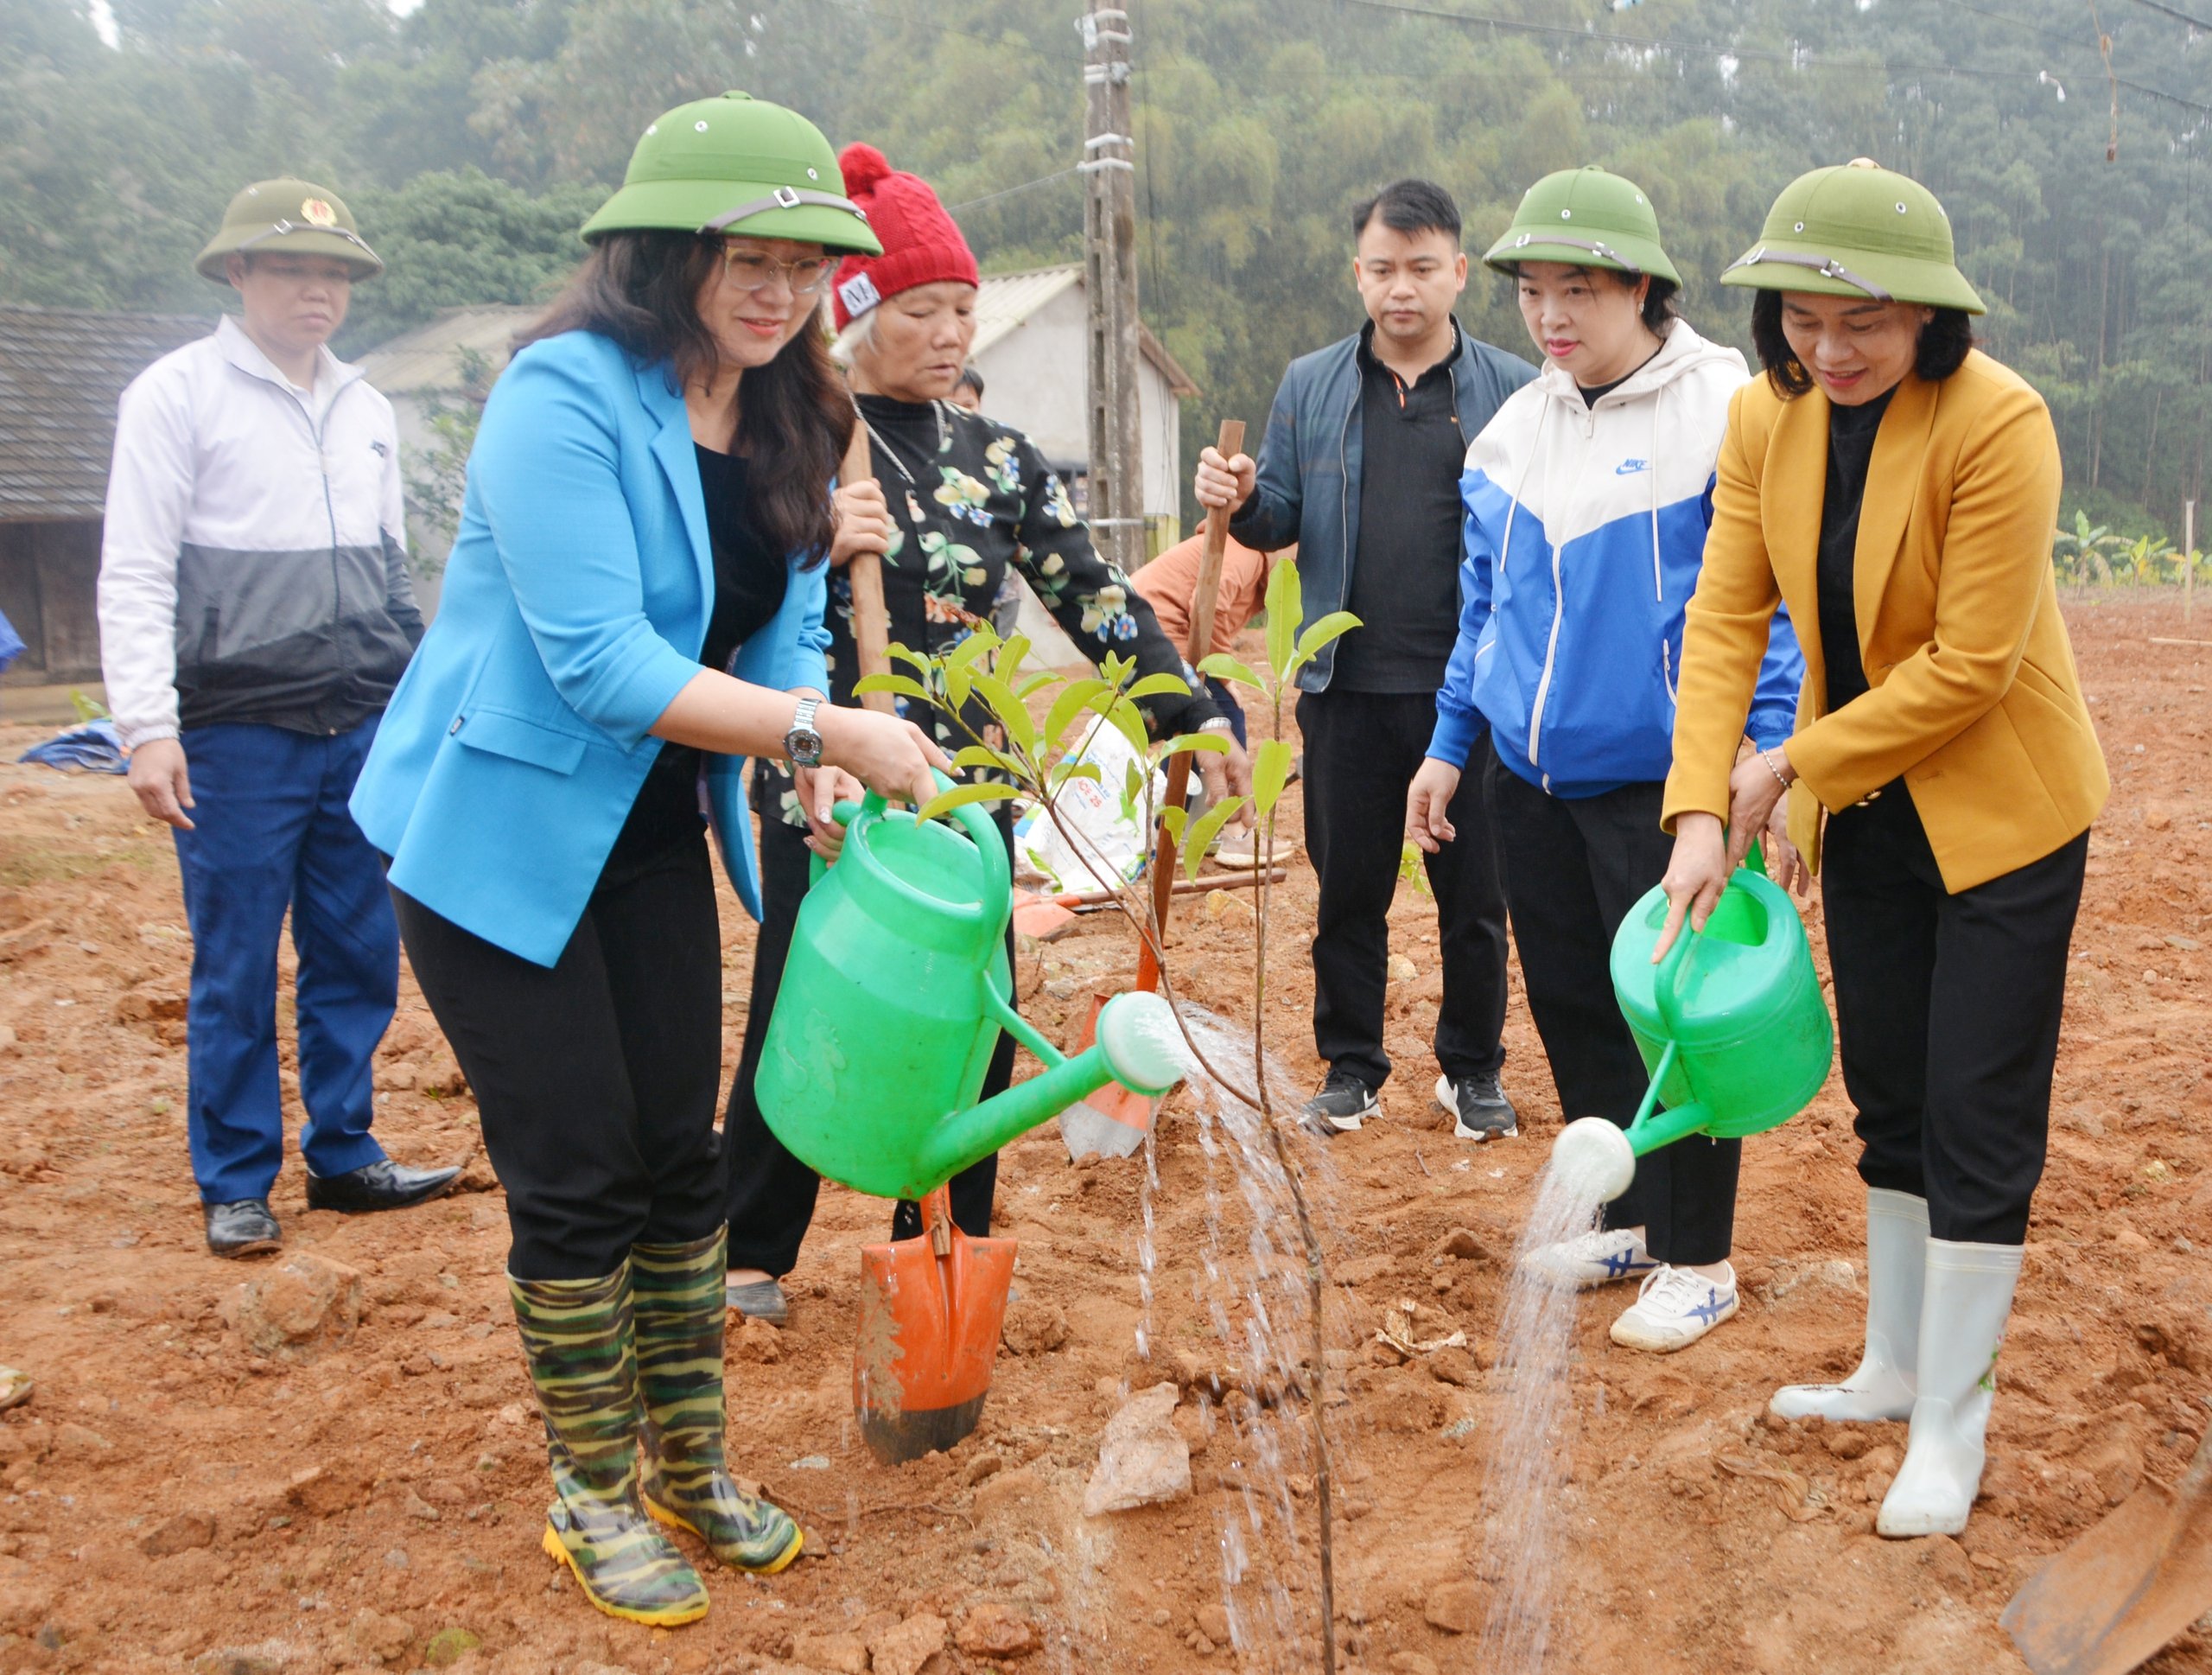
<point x="1344" y="1103"/>
<point x="242" y="1227"/>
<point x="1480" y="1105"/>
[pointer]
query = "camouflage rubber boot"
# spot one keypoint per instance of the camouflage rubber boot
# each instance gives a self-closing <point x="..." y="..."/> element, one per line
<point x="679" y="1306"/>
<point x="576" y="1334"/>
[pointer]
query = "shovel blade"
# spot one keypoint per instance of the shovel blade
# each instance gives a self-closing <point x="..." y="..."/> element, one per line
<point x="1113" y="1121"/>
<point x="2109" y="1602"/>
<point x="929" y="1330"/>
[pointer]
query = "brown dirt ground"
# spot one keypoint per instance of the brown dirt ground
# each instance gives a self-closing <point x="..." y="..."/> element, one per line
<point x="399" y="1473"/>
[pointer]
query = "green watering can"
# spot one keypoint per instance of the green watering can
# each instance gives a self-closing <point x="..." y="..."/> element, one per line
<point x="892" y="998"/>
<point x="1731" y="1024"/>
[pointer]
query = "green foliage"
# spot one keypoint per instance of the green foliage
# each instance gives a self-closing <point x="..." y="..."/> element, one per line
<point x="1027" y="760"/>
<point x="472" y="136"/>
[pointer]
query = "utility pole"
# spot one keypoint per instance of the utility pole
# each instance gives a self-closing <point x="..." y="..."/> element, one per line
<point x="1116" y="489"/>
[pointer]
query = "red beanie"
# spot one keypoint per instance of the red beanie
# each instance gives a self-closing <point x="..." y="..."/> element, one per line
<point x="921" y="244"/>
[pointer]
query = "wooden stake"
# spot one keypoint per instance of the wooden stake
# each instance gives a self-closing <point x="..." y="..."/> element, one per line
<point x="2188" y="561"/>
<point x="1204" y="600"/>
<point x="864" y="575"/>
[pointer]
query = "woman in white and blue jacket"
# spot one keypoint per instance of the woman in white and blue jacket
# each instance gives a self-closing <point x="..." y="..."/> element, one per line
<point x="633" y="607"/>
<point x="1587" y="500"/>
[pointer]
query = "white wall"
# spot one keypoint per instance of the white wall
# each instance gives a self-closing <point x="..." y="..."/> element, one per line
<point x="1035" y="379"/>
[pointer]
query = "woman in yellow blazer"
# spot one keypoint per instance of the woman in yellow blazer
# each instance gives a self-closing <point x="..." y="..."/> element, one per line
<point x="1898" y="489"/>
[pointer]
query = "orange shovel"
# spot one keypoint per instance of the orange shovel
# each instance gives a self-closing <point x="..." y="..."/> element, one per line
<point x="930" y="1310"/>
<point x="932" y="1307"/>
<point x="1113" y="1121"/>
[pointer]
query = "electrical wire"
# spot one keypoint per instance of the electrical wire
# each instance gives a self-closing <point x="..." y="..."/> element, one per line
<point x="993" y="197"/>
<point x="1702" y="48"/>
<point x="2193" y="23"/>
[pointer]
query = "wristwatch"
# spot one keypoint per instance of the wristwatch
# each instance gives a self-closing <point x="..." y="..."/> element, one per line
<point x="802" y="745"/>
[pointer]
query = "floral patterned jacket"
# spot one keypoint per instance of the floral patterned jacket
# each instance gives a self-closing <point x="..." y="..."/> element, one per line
<point x="971" y="499"/>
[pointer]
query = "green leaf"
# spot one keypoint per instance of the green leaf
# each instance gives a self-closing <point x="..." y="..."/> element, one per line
<point x="959" y="681"/>
<point x="1174" y="819"/>
<point x="982" y="755"/>
<point x="903" y="655"/>
<point x="1216" y="742"/>
<point x="1324" y="630"/>
<point x="1158" y="686"/>
<point x="1222" y="666"/>
<point x="1134" y="775"/>
<point x="1125" y="716"/>
<point x="1034" y="684"/>
<point x="1201" y="833"/>
<point x="1286" y="607"/>
<point x="1011" y="657"/>
<point x="1074" y="698"/>
<point x="1270" y="773"/>
<point x="1064" y="770"/>
<point x="1012" y="714"/>
<point x="960" y="794"/>
<point x="975" y="645"/>
<point x="904" y="685"/>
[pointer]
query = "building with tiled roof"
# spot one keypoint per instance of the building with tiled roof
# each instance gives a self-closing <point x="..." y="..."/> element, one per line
<point x="61" y="373"/>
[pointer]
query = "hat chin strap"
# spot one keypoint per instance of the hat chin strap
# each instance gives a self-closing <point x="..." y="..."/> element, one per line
<point x="784" y="197"/>
<point x="1597" y="248"/>
<point x="1827" y="266"/>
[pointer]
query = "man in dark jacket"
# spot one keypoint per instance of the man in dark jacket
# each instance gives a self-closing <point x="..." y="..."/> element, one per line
<point x="1360" y="466"/>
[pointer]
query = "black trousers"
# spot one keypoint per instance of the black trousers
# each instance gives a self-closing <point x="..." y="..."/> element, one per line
<point x="1948" y="1011"/>
<point x="595" y="1080"/>
<point x="1573" y="869"/>
<point x="772" y="1194"/>
<point x="1362" y="751"/>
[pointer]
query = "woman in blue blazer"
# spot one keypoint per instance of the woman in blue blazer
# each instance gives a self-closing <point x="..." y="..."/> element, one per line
<point x="648" y="507"/>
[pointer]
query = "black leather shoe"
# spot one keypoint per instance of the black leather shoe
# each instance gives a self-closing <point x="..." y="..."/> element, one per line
<point x="242" y="1227"/>
<point x="383" y="1185"/>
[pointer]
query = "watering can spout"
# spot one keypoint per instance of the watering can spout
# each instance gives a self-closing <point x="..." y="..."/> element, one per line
<point x="1136" y="1045"/>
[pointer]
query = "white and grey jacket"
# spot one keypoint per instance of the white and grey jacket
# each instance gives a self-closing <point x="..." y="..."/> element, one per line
<point x="254" y="564"/>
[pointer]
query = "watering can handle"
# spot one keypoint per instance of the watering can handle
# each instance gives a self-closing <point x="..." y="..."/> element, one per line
<point x="981" y="830"/>
<point x="1666" y="988"/>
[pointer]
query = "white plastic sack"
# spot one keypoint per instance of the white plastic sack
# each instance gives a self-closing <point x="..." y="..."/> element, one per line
<point x="1092" y="811"/>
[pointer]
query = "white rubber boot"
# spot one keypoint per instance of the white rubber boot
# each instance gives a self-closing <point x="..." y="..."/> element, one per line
<point x="1884" y="1386"/>
<point x="1967" y="1297"/>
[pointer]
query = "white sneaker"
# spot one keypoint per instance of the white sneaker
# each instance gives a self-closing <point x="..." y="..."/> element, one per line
<point x="1598" y="1258"/>
<point x="1674" y="1308"/>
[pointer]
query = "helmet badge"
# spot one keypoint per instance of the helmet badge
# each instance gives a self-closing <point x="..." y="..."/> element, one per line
<point x="317" y="213"/>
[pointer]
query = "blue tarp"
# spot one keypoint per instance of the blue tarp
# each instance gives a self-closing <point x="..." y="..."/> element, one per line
<point x="11" y="643"/>
<point x="94" y="747"/>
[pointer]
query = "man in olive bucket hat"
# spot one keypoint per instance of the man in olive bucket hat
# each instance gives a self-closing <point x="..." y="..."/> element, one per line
<point x="255" y="615"/>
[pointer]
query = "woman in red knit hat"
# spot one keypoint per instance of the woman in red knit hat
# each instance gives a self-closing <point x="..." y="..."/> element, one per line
<point x="957" y="501"/>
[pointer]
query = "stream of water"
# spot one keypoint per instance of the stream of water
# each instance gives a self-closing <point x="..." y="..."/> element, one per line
<point x="1531" y="1451"/>
<point x="1252" y="1284"/>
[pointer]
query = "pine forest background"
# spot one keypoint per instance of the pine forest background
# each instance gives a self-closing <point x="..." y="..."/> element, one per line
<point x="2066" y="139"/>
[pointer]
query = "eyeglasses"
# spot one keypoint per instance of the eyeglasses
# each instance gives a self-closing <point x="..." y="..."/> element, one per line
<point x="749" y="271"/>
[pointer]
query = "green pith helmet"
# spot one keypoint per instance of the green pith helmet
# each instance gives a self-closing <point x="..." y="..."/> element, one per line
<point x="1587" y="218"/>
<point x="297" y="216"/>
<point x="736" y="164"/>
<point x="1858" y="229"/>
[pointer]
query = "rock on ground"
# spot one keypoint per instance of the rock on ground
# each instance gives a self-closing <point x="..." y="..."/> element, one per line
<point x="833" y="1654"/>
<point x="1454" y="1607"/>
<point x="992" y="1630"/>
<point x="904" y="1647"/>
<point x="304" y="1304"/>
<point x="1142" y="1459"/>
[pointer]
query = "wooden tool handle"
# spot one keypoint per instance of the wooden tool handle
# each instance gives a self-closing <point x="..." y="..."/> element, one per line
<point x="1197" y="645"/>
<point x="864" y="575"/>
<point x="1207" y="595"/>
